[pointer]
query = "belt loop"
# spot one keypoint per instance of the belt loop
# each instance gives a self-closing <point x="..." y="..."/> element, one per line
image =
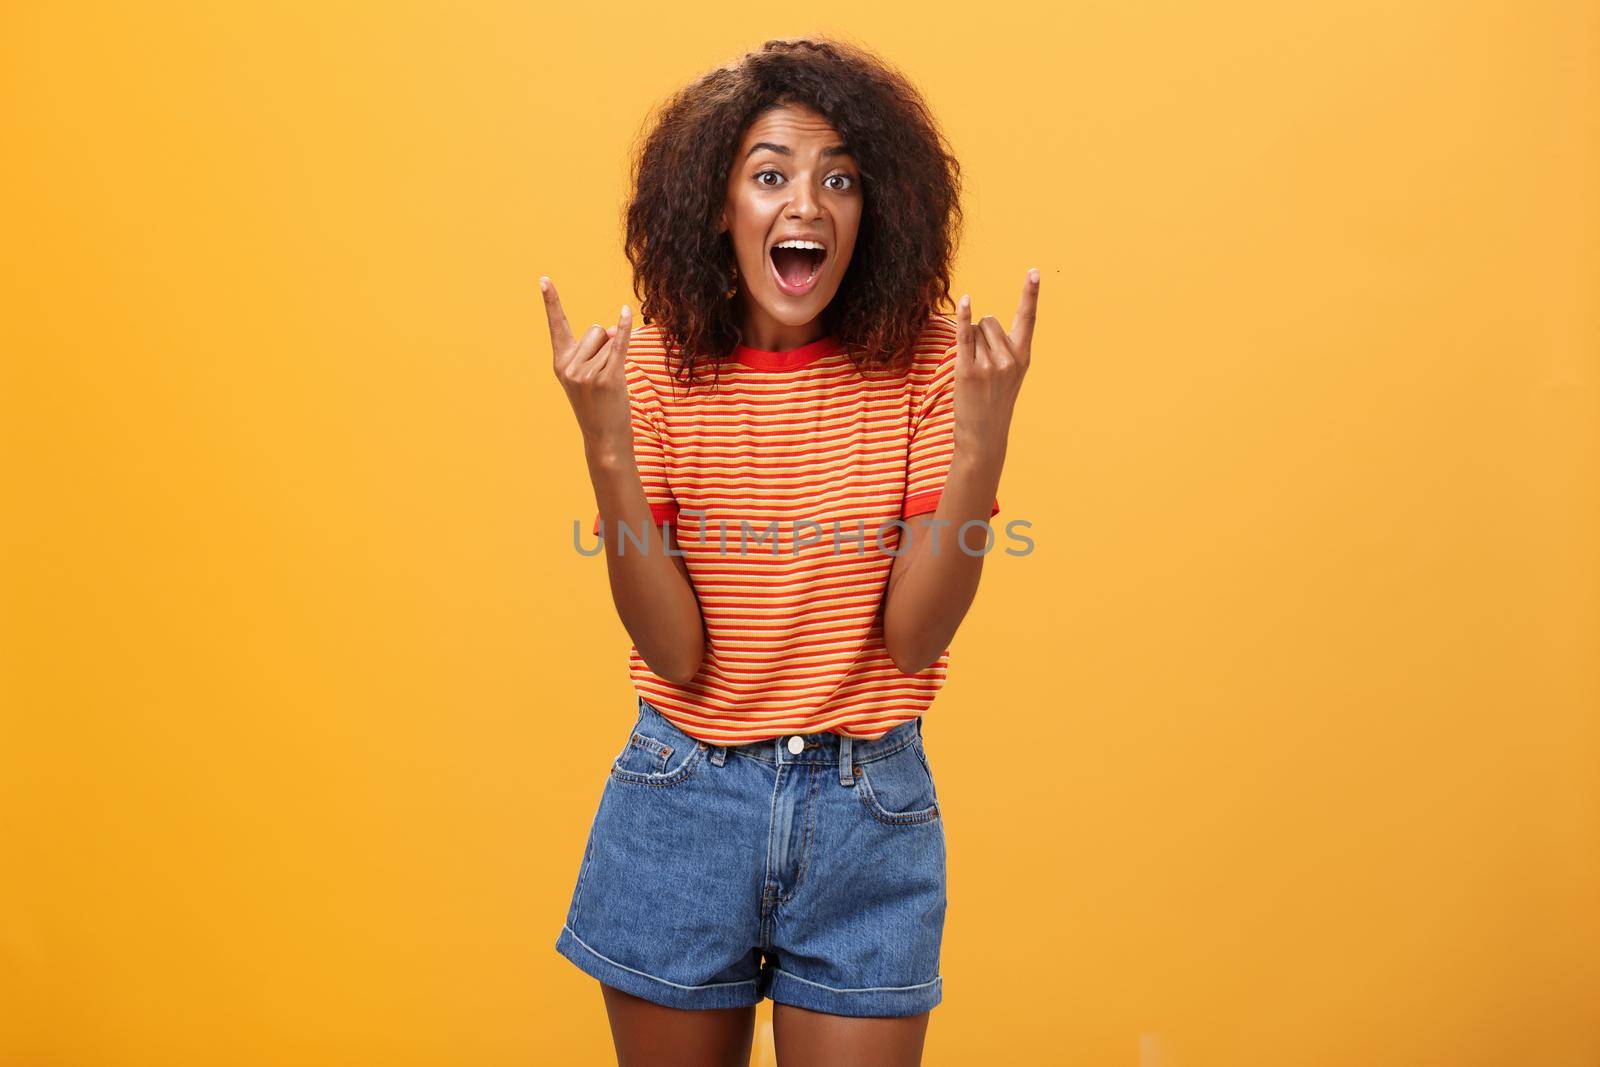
<point x="847" y="776"/>
<point x="719" y="755"/>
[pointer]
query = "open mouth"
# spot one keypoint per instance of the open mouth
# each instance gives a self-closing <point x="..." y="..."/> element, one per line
<point x="796" y="265"/>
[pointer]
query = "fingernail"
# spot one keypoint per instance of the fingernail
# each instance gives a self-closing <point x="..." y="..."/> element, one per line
<point x="544" y="283"/>
<point x="1033" y="276"/>
<point x="624" y="310"/>
<point x="965" y="300"/>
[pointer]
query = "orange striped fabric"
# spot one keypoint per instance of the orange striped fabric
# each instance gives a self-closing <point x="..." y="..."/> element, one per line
<point x="778" y="484"/>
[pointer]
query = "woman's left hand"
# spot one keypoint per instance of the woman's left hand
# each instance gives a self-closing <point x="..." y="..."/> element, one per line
<point x="990" y="364"/>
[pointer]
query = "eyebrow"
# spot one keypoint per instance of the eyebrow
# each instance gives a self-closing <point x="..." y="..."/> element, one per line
<point x="784" y="150"/>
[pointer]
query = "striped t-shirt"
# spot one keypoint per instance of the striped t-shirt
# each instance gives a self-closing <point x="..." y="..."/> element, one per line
<point x="796" y="460"/>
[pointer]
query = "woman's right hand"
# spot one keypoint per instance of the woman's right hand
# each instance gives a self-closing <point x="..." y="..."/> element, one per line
<point x="590" y="369"/>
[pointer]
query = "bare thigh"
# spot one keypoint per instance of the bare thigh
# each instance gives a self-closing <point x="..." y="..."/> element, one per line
<point x="650" y="1035"/>
<point x="816" y="1039"/>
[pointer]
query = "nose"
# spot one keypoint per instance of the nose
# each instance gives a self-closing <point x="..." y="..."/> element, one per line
<point x="805" y="204"/>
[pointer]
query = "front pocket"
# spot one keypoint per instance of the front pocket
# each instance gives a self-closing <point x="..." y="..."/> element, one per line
<point x="647" y="761"/>
<point x="898" y="789"/>
<point x="643" y="755"/>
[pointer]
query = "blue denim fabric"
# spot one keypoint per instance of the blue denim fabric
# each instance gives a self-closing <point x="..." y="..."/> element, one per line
<point x="717" y="875"/>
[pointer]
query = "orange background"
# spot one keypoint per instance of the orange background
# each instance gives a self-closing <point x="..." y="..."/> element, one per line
<point x="308" y="698"/>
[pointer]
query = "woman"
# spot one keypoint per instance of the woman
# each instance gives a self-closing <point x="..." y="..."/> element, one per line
<point x="807" y="432"/>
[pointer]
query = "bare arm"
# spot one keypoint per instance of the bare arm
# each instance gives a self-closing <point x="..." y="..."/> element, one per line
<point x="650" y="588"/>
<point x="933" y="582"/>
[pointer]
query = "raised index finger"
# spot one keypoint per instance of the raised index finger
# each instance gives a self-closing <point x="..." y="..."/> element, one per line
<point x="1027" y="312"/>
<point x="560" y="332"/>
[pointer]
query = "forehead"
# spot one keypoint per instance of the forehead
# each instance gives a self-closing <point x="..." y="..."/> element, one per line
<point x="800" y="128"/>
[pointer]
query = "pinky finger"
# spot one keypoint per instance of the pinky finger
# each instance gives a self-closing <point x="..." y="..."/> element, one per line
<point x="621" y="333"/>
<point x="964" y="331"/>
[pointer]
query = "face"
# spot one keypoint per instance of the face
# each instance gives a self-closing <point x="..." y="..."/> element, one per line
<point x="792" y="179"/>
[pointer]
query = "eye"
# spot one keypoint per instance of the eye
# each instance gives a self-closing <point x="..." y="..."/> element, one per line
<point x="849" y="179"/>
<point x="763" y="174"/>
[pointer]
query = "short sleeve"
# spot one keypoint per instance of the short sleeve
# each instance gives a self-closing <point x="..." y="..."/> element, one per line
<point x="932" y="444"/>
<point x="649" y="449"/>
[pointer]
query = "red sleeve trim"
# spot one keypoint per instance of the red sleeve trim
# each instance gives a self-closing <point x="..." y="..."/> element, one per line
<point x="922" y="503"/>
<point x="659" y="512"/>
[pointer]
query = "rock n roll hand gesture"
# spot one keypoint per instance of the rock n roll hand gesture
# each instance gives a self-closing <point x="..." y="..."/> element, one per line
<point x="990" y="364"/>
<point x="590" y="369"/>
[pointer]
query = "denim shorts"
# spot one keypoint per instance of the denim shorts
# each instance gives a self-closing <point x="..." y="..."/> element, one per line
<point x="811" y="871"/>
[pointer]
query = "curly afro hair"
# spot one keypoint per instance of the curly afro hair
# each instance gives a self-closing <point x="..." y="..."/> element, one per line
<point x="899" y="273"/>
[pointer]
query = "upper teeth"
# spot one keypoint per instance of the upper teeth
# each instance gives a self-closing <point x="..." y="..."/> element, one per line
<point x="800" y="244"/>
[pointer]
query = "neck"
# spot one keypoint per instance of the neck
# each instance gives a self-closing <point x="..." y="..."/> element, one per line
<point x="761" y="331"/>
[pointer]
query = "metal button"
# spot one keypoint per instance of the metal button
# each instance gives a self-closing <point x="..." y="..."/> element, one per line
<point x="796" y="743"/>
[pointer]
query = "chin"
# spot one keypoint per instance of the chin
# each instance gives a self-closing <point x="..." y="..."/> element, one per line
<point x="791" y="313"/>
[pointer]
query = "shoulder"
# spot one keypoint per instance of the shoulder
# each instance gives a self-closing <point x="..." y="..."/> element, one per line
<point x="938" y="334"/>
<point x="647" y="346"/>
<point x="933" y="357"/>
<point x="646" y="361"/>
